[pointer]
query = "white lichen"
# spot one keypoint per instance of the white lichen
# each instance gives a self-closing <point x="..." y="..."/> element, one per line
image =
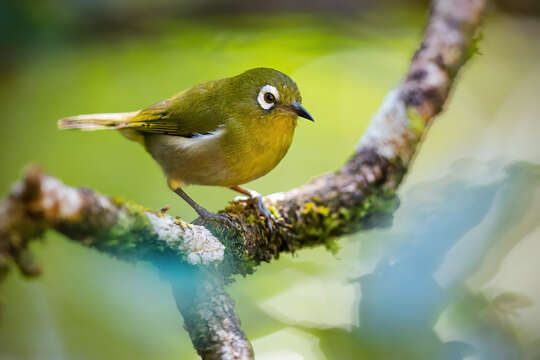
<point x="276" y="197"/>
<point x="233" y="344"/>
<point x="54" y="193"/>
<point x="104" y="202"/>
<point x="368" y="174"/>
<point x="389" y="131"/>
<point x="199" y="244"/>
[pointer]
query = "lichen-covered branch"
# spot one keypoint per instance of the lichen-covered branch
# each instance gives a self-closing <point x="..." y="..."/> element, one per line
<point x="130" y="232"/>
<point x="113" y="226"/>
<point x="209" y="315"/>
<point x="360" y="195"/>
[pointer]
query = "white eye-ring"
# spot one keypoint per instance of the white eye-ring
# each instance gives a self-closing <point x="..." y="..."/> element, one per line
<point x="268" y="96"/>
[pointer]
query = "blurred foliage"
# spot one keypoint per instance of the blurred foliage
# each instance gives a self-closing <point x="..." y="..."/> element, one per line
<point x="26" y="23"/>
<point x="454" y="277"/>
<point x="524" y="7"/>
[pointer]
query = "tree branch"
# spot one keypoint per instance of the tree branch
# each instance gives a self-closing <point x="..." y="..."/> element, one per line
<point x="360" y="195"/>
<point x="209" y="315"/>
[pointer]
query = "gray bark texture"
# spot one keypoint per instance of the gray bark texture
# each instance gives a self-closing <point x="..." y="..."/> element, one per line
<point x="201" y="257"/>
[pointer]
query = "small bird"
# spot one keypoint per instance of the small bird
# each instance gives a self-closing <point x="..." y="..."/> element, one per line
<point x="224" y="132"/>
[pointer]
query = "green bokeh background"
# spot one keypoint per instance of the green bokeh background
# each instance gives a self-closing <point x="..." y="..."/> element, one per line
<point x="90" y="306"/>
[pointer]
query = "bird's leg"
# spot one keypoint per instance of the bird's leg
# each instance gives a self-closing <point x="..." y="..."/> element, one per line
<point x="203" y="213"/>
<point x="257" y="198"/>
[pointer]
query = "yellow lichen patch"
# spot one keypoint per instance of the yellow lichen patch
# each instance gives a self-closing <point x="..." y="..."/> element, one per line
<point x="310" y="207"/>
<point x="137" y="209"/>
<point x="234" y="208"/>
<point x="251" y="219"/>
<point x="317" y="199"/>
<point x="181" y="223"/>
<point x="274" y="211"/>
<point x="416" y="121"/>
<point x="118" y="200"/>
<point x="323" y="210"/>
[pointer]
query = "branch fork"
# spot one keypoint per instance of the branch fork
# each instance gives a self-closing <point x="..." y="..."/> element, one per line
<point x="360" y="195"/>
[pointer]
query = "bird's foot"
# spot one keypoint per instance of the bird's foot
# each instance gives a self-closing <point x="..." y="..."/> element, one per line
<point x="203" y="213"/>
<point x="219" y="218"/>
<point x="263" y="210"/>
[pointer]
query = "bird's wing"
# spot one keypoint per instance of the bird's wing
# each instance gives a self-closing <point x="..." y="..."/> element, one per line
<point x="190" y="113"/>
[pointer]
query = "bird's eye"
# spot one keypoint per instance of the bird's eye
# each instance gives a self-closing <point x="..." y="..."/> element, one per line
<point x="268" y="96"/>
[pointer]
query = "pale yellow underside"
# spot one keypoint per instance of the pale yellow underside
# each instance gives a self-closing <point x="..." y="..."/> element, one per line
<point x="232" y="155"/>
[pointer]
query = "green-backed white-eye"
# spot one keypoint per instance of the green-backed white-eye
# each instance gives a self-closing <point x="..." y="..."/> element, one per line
<point x="225" y="132"/>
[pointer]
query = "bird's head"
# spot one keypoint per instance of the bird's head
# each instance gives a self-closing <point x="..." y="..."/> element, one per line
<point x="266" y="93"/>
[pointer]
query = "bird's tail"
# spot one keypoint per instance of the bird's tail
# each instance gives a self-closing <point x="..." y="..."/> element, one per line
<point x="90" y="122"/>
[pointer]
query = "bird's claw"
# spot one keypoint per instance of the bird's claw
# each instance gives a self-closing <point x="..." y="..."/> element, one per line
<point x="220" y="218"/>
<point x="264" y="211"/>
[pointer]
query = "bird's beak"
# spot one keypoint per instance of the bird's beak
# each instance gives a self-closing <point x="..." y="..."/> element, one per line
<point x="300" y="111"/>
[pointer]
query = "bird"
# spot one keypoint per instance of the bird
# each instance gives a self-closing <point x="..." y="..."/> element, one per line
<point x="224" y="132"/>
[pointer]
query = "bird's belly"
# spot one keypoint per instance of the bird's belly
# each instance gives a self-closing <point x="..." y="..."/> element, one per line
<point x="257" y="154"/>
<point x="204" y="160"/>
<point x="196" y="160"/>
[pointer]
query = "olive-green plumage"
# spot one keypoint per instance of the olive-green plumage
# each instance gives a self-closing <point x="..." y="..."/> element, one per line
<point x="225" y="132"/>
<point x="216" y="133"/>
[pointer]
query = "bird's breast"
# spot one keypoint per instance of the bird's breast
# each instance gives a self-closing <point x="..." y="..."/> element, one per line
<point x="252" y="151"/>
<point x="194" y="160"/>
<point x="231" y="155"/>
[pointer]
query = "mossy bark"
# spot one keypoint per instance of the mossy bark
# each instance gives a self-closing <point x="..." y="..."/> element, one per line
<point x="360" y="195"/>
